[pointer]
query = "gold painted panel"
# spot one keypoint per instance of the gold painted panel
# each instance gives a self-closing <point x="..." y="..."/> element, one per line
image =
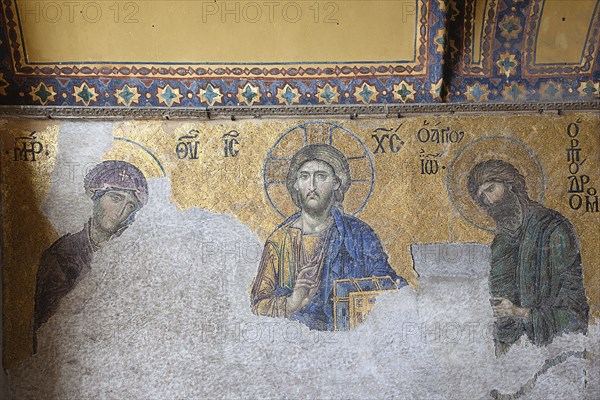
<point x="221" y="32"/>
<point x="563" y="32"/>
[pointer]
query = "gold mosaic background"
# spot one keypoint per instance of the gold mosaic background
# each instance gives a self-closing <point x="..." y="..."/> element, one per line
<point x="406" y="206"/>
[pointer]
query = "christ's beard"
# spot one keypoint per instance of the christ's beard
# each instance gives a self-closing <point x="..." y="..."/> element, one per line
<point x="318" y="209"/>
<point x="507" y="212"/>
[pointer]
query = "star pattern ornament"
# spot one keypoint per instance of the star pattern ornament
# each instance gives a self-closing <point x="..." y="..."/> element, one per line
<point x="454" y="10"/>
<point x="514" y="92"/>
<point x="507" y="63"/>
<point x="127" y="95"/>
<point x="436" y="89"/>
<point x="365" y="93"/>
<point x="210" y="95"/>
<point x="248" y="94"/>
<point x="84" y="94"/>
<point x="453" y="48"/>
<point x="440" y="40"/>
<point x="168" y="96"/>
<point x="404" y="92"/>
<point x="327" y="94"/>
<point x="589" y="89"/>
<point x="477" y="92"/>
<point x="510" y="27"/>
<point x="43" y="93"/>
<point x="3" y="85"/>
<point x="550" y="90"/>
<point x="288" y="95"/>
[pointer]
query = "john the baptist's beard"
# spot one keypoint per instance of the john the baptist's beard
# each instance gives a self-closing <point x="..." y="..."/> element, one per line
<point x="507" y="211"/>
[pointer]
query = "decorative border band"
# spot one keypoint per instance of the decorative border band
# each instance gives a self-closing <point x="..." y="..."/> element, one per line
<point x="488" y="32"/>
<point x="352" y="111"/>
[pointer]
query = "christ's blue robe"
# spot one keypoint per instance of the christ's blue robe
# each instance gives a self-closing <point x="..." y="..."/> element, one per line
<point x="352" y="250"/>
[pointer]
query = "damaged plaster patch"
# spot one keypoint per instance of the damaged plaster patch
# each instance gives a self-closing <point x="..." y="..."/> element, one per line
<point x="165" y="312"/>
<point x="80" y="148"/>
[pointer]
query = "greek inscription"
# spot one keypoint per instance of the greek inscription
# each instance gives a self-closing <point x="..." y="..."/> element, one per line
<point x="435" y="135"/>
<point x="583" y="195"/>
<point x="26" y="148"/>
<point x="387" y="141"/>
<point x="231" y="143"/>
<point x="430" y="162"/>
<point x="187" y="146"/>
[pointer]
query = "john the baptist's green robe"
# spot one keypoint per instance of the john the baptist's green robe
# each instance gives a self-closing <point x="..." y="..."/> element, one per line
<point x="539" y="268"/>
